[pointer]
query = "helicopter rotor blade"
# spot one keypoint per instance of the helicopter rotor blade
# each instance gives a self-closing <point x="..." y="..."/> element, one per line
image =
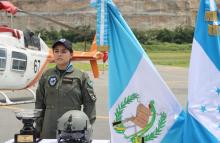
<point x="46" y="18"/>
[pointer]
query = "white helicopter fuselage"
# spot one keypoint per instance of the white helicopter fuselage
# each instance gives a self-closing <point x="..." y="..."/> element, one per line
<point x="20" y="65"/>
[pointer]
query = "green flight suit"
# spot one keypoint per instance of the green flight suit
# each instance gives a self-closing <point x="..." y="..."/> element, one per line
<point x="58" y="93"/>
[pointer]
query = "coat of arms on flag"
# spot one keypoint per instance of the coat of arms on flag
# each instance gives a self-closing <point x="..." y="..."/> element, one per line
<point x="145" y="118"/>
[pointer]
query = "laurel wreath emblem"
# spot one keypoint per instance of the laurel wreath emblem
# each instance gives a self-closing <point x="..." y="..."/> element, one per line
<point x="158" y="129"/>
<point x="137" y="137"/>
<point x="120" y="109"/>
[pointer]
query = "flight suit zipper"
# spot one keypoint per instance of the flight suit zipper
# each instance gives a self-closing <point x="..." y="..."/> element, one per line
<point x="58" y="87"/>
<point x="61" y="78"/>
<point x="60" y="82"/>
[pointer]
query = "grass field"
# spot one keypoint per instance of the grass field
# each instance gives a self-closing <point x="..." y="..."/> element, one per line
<point x="170" y="54"/>
<point x="179" y="59"/>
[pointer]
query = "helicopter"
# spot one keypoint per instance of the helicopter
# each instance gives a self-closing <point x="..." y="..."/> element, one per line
<point x="24" y="56"/>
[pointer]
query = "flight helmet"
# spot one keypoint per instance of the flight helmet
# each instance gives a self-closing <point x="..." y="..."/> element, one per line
<point x="74" y="127"/>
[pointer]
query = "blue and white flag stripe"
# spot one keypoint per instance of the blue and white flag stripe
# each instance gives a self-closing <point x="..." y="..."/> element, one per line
<point x="123" y="61"/>
<point x="102" y="22"/>
<point x="210" y="5"/>
<point x="132" y="72"/>
<point x="203" y="117"/>
<point x="201" y="112"/>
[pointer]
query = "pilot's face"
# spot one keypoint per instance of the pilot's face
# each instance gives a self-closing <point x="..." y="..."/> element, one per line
<point x="62" y="56"/>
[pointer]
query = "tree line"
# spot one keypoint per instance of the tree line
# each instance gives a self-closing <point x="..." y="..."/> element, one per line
<point x="179" y="35"/>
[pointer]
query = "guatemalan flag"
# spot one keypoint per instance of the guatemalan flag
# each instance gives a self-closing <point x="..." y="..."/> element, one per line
<point x="141" y="106"/>
<point x="203" y="117"/>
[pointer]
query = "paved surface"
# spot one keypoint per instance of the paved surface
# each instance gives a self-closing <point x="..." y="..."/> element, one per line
<point x="175" y="77"/>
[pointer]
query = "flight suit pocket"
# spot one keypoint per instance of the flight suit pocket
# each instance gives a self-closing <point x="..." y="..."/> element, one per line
<point x="72" y="92"/>
<point x="70" y="86"/>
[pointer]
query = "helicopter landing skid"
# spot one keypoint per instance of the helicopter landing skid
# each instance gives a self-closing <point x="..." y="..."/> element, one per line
<point x="9" y="102"/>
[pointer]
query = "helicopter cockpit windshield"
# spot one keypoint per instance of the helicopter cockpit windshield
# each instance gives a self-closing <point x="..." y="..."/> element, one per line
<point x="31" y="41"/>
<point x="2" y="59"/>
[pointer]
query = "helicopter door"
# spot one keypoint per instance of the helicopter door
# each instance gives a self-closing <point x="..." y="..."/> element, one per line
<point x="19" y="61"/>
<point x="2" y="59"/>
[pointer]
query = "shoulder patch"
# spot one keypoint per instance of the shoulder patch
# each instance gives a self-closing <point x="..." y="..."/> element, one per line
<point x="52" y="81"/>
